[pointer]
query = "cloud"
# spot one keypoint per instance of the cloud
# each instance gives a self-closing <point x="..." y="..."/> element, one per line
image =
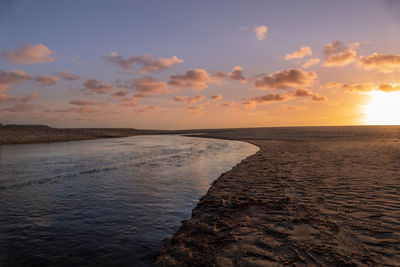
<point x="365" y="87"/>
<point x="228" y="104"/>
<point x="310" y="62"/>
<point x="148" y="63"/>
<point x="196" y="110"/>
<point x="97" y="87"/>
<point x="302" y="52"/>
<point x="355" y="87"/>
<point x="129" y="101"/>
<point x="338" y="54"/>
<point x="46" y="80"/>
<point x="121" y="93"/>
<point x="195" y="79"/>
<point x="381" y="62"/>
<point x="237" y="74"/>
<point x="29" y="54"/>
<point x="286" y="79"/>
<point x="7" y="78"/>
<point x="180" y="98"/>
<point x="300" y="92"/>
<point x="6" y="99"/>
<point x="389" y="87"/>
<point x="189" y="100"/>
<point x="82" y="102"/>
<point x="82" y="110"/>
<point x="18" y="107"/>
<point x="287" y="107"/>
<point x="273" y="97"/>
<point x="29" y="98"/>
<point x="147" y="109"/>
<point x="67" y="75"/>
<point x="218" y="76"/>
<point x="270" y="97"/>
<point x="194" y="100"/>
<point x="148" y="85"/>
<point x="261" y="32"/>
<point x="216" y="97"/>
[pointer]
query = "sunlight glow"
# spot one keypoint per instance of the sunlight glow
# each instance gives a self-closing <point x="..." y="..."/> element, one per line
<point x="383" y="108"/>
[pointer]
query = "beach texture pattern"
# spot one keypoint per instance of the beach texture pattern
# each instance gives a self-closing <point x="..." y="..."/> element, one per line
<point x="298" y="202"/>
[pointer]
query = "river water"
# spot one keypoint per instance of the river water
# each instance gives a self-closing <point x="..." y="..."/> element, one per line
<point x="106" y="202"/>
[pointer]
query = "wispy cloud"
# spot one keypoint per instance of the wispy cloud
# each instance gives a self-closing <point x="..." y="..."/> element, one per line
<point x="302" y="52"/>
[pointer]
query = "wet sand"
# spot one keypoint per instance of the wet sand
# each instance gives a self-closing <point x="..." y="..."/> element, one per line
<point x="309" y="197"/>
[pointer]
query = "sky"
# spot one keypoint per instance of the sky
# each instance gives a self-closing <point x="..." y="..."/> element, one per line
<point x="199" y="64"/>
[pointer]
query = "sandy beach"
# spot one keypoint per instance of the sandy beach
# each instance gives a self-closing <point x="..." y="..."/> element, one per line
<point x="309" y="197"/>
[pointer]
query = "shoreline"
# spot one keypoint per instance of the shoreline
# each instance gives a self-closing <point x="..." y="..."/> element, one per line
<point x="309" y="196"/>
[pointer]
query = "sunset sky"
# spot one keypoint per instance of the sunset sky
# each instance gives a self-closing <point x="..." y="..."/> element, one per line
<point x="199" y="64"/>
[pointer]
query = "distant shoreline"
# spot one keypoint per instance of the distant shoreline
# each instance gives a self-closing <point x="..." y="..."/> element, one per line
<point x="29" y="134"/>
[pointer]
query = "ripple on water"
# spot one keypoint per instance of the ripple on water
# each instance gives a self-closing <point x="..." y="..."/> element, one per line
<point x="107" y="202"/>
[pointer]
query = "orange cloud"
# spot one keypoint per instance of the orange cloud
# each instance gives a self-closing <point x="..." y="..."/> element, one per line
<point x="381" y="62"/>
<point x="148" y="63"/>
<point x="129" y="101"/>
<point x="189" y="100"/>
<point x="302" y="52"/>
<point x="270" y="97"/>
<point x="261" y="32"/>
<point x="337" y="54"/>
<point x="286" y="79"/>
<point x="287" y="107"/>
<point x="8" y="78"/>
<point x="310" y="62"/>
<point x="82" y="110"/>
<point x="305" y="92"/>
<point x="29" y="98"/>
<point x="46" y="80"/>
<point x="121" y="93"/>
<point x="355" y="87"/>
<point x="365" y="87"/>
<point x="196" y="79"/>
<point x="29" y="54"/>
<point x="228" y="104"/>
<point x="237" y="74"/>
<point x="147" y="109"/>
<point x="95" y="86"/>
<point x="389" y="87"/>
<point x="216" y="97"/>
<point x="67" y="75"/>
<point x="82" y="102"/>
<point x="148" y="85"/>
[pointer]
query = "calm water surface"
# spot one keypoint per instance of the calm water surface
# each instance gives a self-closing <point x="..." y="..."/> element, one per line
<point x="103" y="202"/>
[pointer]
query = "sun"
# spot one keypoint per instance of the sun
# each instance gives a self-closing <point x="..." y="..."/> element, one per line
<point x="383" y="108"/>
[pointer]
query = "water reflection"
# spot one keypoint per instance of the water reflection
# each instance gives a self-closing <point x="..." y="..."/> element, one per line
<point x="106" y="202"/>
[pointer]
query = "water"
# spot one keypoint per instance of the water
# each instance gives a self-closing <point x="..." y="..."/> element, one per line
<point x="103" y="202"/>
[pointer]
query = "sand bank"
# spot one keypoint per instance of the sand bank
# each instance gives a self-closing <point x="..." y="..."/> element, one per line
<point x="308" y="197"/>
<point x="26" y="134"/>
